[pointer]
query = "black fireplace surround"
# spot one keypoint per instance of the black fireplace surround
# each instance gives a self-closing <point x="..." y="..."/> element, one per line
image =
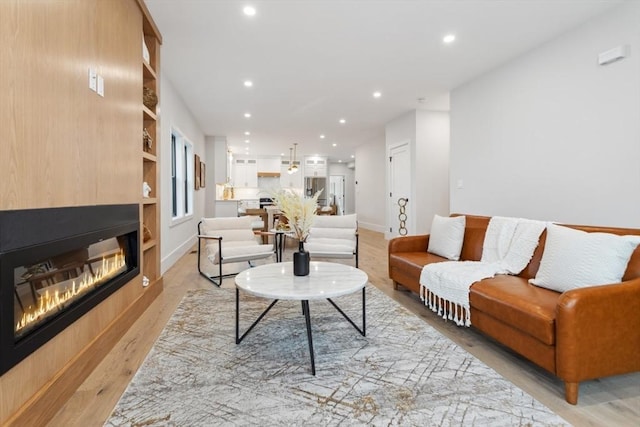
<point x="31" y="239"/>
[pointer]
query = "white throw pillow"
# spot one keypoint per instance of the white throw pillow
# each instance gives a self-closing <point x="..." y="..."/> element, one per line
<point x="447" y="234"/>
<point x="576" y="259"/>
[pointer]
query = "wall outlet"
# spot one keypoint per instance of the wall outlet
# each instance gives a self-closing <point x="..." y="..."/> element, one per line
<point x="100" y="88"/>
<point x="613" y="55"/>
<point x="93" y="80"/>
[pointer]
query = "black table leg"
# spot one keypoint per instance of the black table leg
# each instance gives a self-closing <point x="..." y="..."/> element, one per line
<point x="305" y="308"/>
<point x="238" y="337"/>
<point x="364" y="315"/>
<point x="362" y="331"/>
<point x="280" y="249"/>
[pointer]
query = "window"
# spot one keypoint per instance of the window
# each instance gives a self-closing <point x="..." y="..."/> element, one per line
<point x="181" y="176"/>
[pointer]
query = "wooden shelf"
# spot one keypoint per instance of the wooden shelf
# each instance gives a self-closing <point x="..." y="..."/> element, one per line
<point x="148" y="114"/>
<point x="148" y="157"/>
<point x="148" y="73"/>
<point x="150" y="207"/>
<point x="149" y="244"/>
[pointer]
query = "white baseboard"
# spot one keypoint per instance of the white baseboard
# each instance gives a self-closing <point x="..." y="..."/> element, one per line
<point x="372" y="227"/>
<point x="168" y="261"/>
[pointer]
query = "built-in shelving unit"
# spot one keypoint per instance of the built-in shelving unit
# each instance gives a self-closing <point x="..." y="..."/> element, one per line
<point x="150" y="206"/>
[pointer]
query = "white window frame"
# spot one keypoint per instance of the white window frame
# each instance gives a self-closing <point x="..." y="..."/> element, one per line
<point x="182" y="170"/>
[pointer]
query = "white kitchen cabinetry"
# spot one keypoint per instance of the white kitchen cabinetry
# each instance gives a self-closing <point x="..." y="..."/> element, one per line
<point x="269" y="166"/>
<point x="315" y="166"/>
<point x="290" y="181"/>
<point x="245" y="173"/>
<point x="226" y="208"/>
<point x="249" y="204"/>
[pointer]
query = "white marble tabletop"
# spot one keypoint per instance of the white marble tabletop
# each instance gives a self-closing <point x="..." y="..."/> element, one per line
<point x="325" y="280"/>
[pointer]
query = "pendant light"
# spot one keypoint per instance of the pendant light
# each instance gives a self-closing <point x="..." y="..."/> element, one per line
<point x="294" y="167"/>
<point x="289" y="170"/>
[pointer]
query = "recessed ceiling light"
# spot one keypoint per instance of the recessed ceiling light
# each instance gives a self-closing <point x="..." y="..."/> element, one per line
<point x="249" y="10"/>
<point x="281" y="154"/>
<point x="353" y="156"/>
<point x="339" y="161"/>
<point x="247" y="133"/>
<point x="246" y="141"/>
<point x="321" y="136"/>
<point x="449" y="38"/>
<point x="247" y="115"/>
<point x="334" y="144"/>
<point x="377" y="94"/>
<point x="343" y="121"/>
<point x="248" y="83"/>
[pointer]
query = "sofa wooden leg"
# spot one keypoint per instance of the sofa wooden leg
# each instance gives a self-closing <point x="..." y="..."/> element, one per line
<point x="571" y="392"/>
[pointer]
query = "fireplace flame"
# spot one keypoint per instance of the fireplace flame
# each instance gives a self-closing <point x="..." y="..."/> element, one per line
<point x="55" y="300"/>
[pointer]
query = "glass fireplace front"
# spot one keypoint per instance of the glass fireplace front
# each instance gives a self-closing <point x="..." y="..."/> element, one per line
<point x="46" y="287"/>
<point x="56" y="265"/>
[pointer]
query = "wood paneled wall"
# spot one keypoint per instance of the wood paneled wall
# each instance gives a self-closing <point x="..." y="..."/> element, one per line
<point x="63" y="145"/>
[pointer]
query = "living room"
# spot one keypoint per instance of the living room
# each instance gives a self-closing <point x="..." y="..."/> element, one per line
<point x="549" y="134"/>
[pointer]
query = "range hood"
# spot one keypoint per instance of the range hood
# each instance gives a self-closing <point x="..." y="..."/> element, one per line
<point x="268" y="174"/>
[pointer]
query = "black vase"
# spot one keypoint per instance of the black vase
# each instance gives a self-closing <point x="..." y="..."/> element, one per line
<point x="301" y="261"/>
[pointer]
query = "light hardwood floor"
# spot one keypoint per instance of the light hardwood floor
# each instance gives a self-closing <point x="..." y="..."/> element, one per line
<point x="613" y="401"/>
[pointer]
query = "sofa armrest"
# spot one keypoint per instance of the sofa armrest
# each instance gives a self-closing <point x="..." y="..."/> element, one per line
<point x="598" y="331"/>
<point x="417" y="243"/>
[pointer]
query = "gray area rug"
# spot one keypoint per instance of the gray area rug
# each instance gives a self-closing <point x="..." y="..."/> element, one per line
<point x="403" y="372"/>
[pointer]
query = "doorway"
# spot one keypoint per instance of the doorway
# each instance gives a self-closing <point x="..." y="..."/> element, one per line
<point x="336" y="194"/>
<point x="399" y="187"/>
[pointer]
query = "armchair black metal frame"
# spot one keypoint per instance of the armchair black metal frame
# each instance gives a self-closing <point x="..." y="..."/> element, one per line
<point x="220" y="276"/>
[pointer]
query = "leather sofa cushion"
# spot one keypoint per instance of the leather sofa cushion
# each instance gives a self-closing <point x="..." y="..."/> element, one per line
<point x="514" y="301"/>
<point x="412" y="262"/>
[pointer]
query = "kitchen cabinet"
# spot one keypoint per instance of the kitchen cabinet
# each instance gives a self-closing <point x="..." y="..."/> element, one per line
<point x="249" y="204"/>
<point x="245" y="173"/>
<point x="315" y="166"/>
<point x="269" y="167"/>
<point x="226" y="208"/>
<point x="290" y="181"/>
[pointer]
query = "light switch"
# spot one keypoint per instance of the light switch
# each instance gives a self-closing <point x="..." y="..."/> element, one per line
<point x="100" y="89"/>
<point x="93" y="84"/>
<point x="460" y="184"/>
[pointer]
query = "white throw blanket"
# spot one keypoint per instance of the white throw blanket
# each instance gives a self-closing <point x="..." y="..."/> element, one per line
<point x="508" y="246"/>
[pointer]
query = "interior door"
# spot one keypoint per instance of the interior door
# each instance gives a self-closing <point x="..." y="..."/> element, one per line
<point x="400" y="188"/>
<point x="336" y="195"/>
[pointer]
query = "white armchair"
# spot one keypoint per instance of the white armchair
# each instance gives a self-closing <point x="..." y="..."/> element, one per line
<point x="229" y="240"/>
<point x="333" y="236"/>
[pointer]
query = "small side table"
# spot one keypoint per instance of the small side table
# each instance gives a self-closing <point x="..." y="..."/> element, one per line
<point x="279" y="242"/>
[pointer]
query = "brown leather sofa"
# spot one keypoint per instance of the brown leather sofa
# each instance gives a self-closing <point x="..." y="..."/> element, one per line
<point x="577" y="335"/>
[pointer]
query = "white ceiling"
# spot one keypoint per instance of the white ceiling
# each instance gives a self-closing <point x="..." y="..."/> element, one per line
<point x="313" y="62"/>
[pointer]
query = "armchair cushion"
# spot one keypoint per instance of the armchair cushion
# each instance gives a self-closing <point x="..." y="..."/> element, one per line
<point x="333" y="236"/>
<point x="238" y="251"/>
<point x="239" y="243"/>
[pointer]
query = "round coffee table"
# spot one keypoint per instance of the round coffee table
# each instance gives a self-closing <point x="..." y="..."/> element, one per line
<point x="326" y="280"/>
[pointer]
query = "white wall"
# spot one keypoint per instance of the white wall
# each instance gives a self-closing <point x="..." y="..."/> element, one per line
<point x="216" y="148"/>
<point x="370" y="184"/>
<point x="427" y="133"/>
<point x="178" y="238"/>
<point x="399" y="131"/>
<point x="431" y="168"/>
<point x="552" y="135"/>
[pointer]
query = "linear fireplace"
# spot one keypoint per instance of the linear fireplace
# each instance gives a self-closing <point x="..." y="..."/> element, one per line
<point x="57" y="264"/>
